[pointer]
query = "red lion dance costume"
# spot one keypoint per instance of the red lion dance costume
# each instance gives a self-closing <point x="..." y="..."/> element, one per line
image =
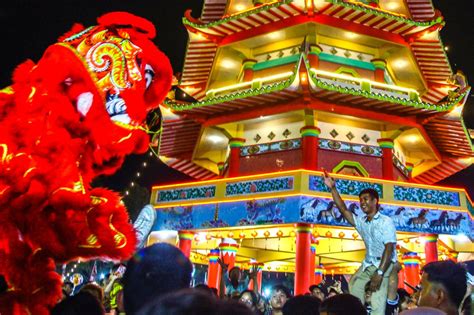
<point x="71" y="117"/>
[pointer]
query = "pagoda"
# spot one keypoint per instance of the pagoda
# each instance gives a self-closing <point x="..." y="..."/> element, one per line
<point x="277" y="90"/>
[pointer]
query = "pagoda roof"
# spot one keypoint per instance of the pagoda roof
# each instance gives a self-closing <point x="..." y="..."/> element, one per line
<point x="429" y="54"/>
<point x="280" y="10"/>
<point x="289" y="88"/>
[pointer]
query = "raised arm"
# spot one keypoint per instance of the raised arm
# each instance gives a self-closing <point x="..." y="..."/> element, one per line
<point x="331" y="183"/>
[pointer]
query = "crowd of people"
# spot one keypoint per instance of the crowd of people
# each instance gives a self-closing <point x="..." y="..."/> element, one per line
<point x="157" y="281"/>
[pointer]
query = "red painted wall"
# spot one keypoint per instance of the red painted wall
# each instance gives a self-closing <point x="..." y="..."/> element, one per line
<point x="266" y="163"/>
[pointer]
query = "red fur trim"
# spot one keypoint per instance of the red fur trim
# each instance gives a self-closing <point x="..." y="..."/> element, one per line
<point x="127" y="19"/>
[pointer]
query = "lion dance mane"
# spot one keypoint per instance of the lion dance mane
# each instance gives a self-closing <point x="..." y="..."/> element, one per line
<point x="72" y="116"/>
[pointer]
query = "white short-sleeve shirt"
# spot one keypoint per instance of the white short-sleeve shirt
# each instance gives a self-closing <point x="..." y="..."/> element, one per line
<point x="375" y="234"/>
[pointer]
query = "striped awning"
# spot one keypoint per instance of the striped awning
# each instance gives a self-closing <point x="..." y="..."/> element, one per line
<point x="179" y="137"/>
<point x="213" y="10"/>
<point x="448" y="167"/>
<point x="191" y="169"/>
<point x="198" y="62"/>
<point x="421" y="10"/>
<point x="450" y="136"/>
<point x="261" y="15"/>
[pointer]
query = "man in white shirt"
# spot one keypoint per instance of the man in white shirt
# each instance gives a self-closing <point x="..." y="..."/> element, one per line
<point x="379" y="236"/>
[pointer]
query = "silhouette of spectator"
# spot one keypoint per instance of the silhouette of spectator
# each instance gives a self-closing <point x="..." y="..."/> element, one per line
<point x="443" y="286"/>
<point x="423" y="311"/>
<point x="192" y="302"/>
<point x="152" y="272"/>
<point x="302" y="305"/>
<point x="95" y="290"/>
<point x="206" y="289"/>
<point x="342" y="304"/>
<point x="81" y="303"/>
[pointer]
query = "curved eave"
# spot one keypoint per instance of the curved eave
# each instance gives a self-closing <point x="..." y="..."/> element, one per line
<point x="450" y="136"/>
<point x="276" y="11"/>
<point x="378" y="102"/>
<point x="282" y="91"/>
<point x="447" y="167"/>
<point x="189" y="168"/>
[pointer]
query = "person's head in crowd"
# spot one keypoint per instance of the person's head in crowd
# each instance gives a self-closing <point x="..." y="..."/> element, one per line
<point x="280" y="294"/>
<point x="369" y="200"/>
<point x="205" y="288"/>
<point x="3" y="284"/>
<point x="249" y="298"/>
<point x="467" y="306"/>
<point x="443" y="286"/>
<point x="302" y="305"/>
<point x="235" y="275"/>
<point x="81" y="303"/>
<point x="95" y="290"/>
<point x="152" y="272"/>
<point x="342" y="304"/>
<point x="404" y="300"/>
<point x="319" y="291"/>
<point x="423" y="310"/>
<point x="68" y="287"/>
<point x="182" y="302"/>
<point x="232" y="307"/>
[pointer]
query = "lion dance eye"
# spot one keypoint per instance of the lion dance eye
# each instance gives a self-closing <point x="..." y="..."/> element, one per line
<point x="149" y="75"/>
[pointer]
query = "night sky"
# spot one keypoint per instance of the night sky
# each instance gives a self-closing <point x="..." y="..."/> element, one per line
<point x="29" y="27"/>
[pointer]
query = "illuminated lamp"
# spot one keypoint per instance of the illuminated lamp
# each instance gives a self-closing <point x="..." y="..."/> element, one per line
<point x="280" y="233"/>
<point x="228" y="64"/>
<point x="230" y="234"/>
<point x="355" y="235"/>
<point x="400" y="63"/>
<point x="328" y="234"/>
<point x="292" y="234"/>
<point x="315" y="234"/>
<point x="254" y="234"/>
<point x="242" y="235"/>
<point x="208" y="237"/>
<point x="342" y="234"/>
<point x="406" y="240"/>
<point x="351" y="35"/>
<point x="266" y="234"/>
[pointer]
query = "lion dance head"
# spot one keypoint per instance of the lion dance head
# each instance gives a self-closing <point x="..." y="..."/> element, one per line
<point x="72" y="116"/>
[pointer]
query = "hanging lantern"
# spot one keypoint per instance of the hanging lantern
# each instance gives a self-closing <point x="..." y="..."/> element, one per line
<point x="208" y="237"/>
<point x="292" y="234"/>
<point x="242" y="235"/>
<point x="316" y="242"/>
<point x="355" y="235"/>
<point x="254" y="234"/>
<point x="342" y="234"/>
<point x="406" y="240"/>
<point x="230" y="234"/>
<point x="266" y="234"/>
<point x="417" y="241"/>
<point x="315" y="234"/>
<point x="280" y="233"/>
<point x="328" y="234"/>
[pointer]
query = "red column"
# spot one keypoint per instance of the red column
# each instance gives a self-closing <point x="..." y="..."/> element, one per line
<point x="312" y="264"/>
<point x="234" y="159"/>
<point x="379" y="73"/>
<point x="214" y="270"/>
<point x="247" y="67"/>
<point x="310" y="145"/>
<point x="411" y="261"/>
<point x="313" y="56"/>
<point x="318" y="274"/>
<point x="431" y="248"/>
<point x="228" y="248"/>
<point x="303" y="257"/>
<point x="387" y="158"/>
<point x="185" y="242"/>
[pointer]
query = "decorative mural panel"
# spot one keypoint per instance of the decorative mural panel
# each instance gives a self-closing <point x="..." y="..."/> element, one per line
<point x="290" y="144"/>
<point x="350" y="147"/>
<point x="344" y="186"/>
<point x="260" y="186"/>
<point x="316" y="210"/>
<point x="192" y="193"/>
<point x="439" y="197"/>
<point x="400" y="166"/>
